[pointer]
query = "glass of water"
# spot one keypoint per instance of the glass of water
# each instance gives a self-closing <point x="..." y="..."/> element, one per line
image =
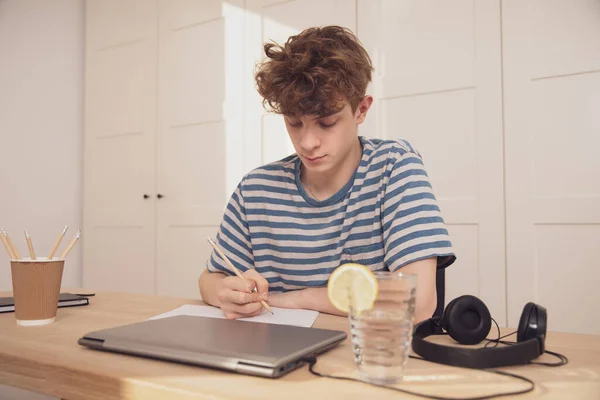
<point x="382" y="335"/>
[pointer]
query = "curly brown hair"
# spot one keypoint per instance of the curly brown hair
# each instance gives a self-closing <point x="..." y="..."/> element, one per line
<point x="313" y="72"/>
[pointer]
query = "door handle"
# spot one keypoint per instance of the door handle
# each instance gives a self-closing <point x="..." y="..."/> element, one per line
<point x="146" y="196"/>
<point x="160" y="196"/>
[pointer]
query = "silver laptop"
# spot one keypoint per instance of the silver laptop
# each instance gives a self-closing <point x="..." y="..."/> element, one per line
<point x="252" y="348"/>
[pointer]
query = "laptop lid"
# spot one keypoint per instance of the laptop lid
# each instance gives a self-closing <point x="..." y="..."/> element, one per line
<point x="252" y="348"/>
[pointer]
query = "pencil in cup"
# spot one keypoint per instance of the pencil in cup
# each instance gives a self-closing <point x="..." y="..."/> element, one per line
<point x="237" y="271"/>
<point x="30" y="246"/>
<point x="60" y="238"/>
<point x="12" y="250"/>
<point x="71" y="244"/>
<point x="11" y="255"/>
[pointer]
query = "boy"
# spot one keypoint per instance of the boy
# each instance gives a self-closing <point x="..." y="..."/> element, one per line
<point x="340" y="198"/>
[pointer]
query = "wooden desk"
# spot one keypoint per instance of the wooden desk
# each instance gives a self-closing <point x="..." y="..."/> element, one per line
<point x="48" y="360"/>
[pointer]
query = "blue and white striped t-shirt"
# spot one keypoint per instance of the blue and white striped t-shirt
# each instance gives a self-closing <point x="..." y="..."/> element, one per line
<point x="385" y="217"/>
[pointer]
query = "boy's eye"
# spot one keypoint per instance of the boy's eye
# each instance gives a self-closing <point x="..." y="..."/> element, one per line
<point x="324" y="125"/>
<point x="295" y="124"/>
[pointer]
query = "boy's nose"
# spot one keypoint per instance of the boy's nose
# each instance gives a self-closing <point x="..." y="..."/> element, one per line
<point x="309" y="141"/>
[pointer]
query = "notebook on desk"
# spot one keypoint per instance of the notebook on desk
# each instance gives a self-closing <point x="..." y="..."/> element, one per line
<point x="7" y="304"/>
<point x="252" y="348"/>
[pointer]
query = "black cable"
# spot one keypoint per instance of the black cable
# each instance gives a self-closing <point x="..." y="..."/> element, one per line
<point x="563" y="359"/>
<point x="497" y="340"/>
<point x="311" y="367"/>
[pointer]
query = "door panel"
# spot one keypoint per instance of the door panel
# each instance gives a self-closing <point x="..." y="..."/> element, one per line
<point x="552" y="96"/>
<point x="200" y="132"/>
<point x="437" y="84"/>
<point x="120" y="127"/>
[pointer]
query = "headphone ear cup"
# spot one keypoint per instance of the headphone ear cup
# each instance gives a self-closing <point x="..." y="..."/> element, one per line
<point x="448" y="312"/>
<point x="532" y="323"/>
<point x="467" y="320"/>
<point x="523" y="332"/>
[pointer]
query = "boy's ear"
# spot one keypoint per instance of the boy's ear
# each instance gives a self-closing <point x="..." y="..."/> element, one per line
<point x="363" y="108"/>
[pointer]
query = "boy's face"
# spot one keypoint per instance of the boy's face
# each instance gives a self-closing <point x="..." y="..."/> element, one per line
<point x="324" y="143"/>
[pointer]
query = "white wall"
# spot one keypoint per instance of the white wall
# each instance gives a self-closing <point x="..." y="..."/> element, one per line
<point x="41" y="123"/>
<point x="41" y="126"/>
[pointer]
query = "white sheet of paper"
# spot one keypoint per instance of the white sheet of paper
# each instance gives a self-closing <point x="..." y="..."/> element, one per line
<point x="282" y="316"/>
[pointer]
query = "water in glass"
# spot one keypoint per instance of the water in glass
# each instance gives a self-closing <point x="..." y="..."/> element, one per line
<point x="381" y="336"/>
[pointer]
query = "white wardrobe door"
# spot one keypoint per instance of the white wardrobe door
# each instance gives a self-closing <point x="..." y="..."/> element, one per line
<point x="199" y="136"/>
<point x="552" y="124"/>
<point x="437" y="84"/>
<point x="120" y="125"/>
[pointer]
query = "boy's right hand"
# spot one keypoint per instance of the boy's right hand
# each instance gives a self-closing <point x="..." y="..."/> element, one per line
<point x="236" y="298"/>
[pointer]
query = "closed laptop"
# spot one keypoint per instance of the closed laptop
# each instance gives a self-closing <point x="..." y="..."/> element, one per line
<point x="252" y="348"/>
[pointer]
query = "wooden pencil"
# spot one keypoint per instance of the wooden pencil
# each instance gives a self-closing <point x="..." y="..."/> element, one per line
<point x="60" y="238"/>
<point x="11" y="255"/>
<point x="11" y="245"/>
<point x="30" y="246"/>
<point x="71" y="244"/>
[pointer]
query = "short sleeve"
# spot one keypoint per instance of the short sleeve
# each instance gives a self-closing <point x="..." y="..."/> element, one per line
<point x="233" y="237"/>
<point x="413" y="226"/>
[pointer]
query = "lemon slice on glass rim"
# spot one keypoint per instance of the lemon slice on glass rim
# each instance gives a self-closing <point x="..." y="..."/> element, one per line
<point x="352" y="283"/>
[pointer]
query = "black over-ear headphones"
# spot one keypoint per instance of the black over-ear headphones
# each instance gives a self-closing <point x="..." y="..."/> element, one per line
<point x="467" y="320"/>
